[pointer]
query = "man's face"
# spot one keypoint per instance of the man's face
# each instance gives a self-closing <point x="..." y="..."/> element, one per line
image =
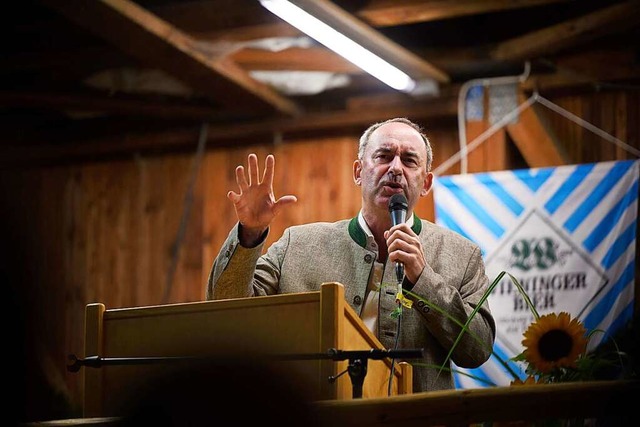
<point x="394" y="161"/>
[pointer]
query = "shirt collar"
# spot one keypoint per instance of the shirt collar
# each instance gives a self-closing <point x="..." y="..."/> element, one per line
<point x="371" y="242"/>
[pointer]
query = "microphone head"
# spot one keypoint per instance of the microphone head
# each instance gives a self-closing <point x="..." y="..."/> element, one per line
<point x="398" y="202"/>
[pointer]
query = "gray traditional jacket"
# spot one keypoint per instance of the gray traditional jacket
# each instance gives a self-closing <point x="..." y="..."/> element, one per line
<point x="308" y="255"/>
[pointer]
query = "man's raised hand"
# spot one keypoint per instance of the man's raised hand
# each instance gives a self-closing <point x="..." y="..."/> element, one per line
<point x="255" y="204"/>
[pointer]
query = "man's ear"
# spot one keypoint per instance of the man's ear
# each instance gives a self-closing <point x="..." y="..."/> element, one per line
<point x="357" y="171"/>
<point x="428" y="182"/>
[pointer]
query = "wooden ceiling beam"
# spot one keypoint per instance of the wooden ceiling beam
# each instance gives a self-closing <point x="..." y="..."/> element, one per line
<point x="105" y="103"/>
<point x="219" y="135"/>
<point x="202" y="17"/>
<point x="298" y="59"/>
<point x="596" y="68"/>
<point x="557" y="37"/>
<point x="153" y="41"/>
<point x="243" y="33"/>
<point x="535" y="140"/>
<point x="346" y="23"/>
<point x="222" y="15"/>
<point x="385" y="13"/>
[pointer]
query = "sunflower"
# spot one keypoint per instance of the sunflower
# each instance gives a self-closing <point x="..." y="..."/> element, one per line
<point x="554" y="341"/>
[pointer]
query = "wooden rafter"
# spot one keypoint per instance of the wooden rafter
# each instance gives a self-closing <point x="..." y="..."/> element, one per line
<point x="218" y="134"/>
<point x="383" y="13"/>
<point x="534" y="139"/>
<point x="569" y="33"/>
<point x="153" y="41"/>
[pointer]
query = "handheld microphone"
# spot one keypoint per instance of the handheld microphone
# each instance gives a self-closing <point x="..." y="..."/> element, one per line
<point x="398" y="208"/>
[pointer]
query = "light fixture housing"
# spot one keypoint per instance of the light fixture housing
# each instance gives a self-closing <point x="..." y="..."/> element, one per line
<point x="341" y="44"/>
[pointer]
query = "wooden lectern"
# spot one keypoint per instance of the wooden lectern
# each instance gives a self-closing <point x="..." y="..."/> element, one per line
<point x="288" y="324"/>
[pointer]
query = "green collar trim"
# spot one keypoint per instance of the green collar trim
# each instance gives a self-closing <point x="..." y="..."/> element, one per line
<point x="360" y="237"/>
<point x="417" y="224"/>
<point x="357" y="233"/>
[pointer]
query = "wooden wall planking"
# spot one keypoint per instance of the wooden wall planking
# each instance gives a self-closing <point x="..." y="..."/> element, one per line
<point x="104" y="232"/>
<point x="616" y="113"/>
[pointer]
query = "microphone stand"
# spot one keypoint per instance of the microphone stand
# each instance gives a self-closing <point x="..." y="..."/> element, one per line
<point x="357" y="367"/>
<point x="358" y="360"/>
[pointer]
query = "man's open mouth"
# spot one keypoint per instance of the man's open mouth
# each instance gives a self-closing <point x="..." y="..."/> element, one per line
<point x="392" y="185"/>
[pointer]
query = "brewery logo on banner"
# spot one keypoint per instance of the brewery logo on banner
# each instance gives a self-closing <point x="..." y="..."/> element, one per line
<point x="555" y="274"/>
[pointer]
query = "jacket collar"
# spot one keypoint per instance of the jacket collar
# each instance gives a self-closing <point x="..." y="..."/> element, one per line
<point x="360" y="237"/>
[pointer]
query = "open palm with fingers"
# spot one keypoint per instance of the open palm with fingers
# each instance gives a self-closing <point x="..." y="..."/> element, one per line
<point x="255" y="204"/>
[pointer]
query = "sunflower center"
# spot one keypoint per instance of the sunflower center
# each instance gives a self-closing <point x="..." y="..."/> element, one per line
<point x="555" y="345"/>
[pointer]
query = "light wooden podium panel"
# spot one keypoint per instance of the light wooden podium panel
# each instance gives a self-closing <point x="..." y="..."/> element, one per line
<point x="280" y="325"/>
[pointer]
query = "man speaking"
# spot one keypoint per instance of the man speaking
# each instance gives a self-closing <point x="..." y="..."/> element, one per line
<point x="377" y="257"/>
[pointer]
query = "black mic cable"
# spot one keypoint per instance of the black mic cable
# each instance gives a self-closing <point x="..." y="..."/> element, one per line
<point x="398" y="209"/>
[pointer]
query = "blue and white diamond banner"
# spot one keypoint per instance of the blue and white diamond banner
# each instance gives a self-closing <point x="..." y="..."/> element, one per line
<point x="568" y="234"/>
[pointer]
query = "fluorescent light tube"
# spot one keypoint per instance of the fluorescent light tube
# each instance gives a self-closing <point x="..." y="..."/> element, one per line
<point x="341" y="44"/>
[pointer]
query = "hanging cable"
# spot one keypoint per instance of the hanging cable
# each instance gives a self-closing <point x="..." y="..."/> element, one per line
<point x="569" y="115"/>
<point x="484" y="135"/>
<point x="462" y="98"/>
<point x="535" y="97"/>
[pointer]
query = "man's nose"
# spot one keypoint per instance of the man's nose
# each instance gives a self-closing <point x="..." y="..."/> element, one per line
<point x="396" y="166"/>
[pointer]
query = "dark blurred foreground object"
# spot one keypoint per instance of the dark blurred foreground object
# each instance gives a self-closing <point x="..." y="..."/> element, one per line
<point x="219" y="392"/>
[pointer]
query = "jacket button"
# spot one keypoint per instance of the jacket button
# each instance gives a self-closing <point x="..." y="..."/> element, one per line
<point x="420" y="303"/>
<point x="227" y="254"/>
<point x="357" y="300"/>
<point x="368" y="258"/>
